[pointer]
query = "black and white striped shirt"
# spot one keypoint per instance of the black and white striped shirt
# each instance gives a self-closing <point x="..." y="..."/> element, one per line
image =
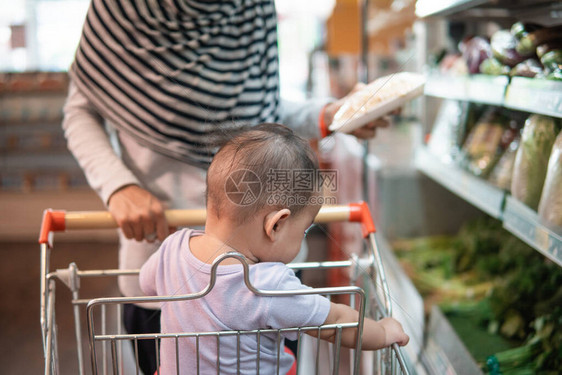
<point x="179" y="74"/>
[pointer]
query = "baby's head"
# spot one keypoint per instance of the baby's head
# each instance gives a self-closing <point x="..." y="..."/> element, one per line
<point x="255" y="179"/>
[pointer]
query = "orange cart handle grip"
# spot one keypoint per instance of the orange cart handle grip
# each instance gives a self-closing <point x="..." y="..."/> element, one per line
<point x="60" y="221"/>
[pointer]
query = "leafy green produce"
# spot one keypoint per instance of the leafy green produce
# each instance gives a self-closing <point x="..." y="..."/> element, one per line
<point x="522" y="304"/>
<point x="513" y="361"/>
<point x="531" y="160"/>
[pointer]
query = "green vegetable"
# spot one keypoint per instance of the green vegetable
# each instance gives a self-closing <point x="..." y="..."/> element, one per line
<point x="493" y="66"/>
<point x="549" y="46"/>
<point x="531" y="159"/>
<point x="552" y="60"/>
<point x="507" y="362"/>
<point x="528" y="44"/>
<point x="555" y="75"/>
<point x="520" y="29"/>
<point x="523" y="307"/>
<point x="528" y="68"/>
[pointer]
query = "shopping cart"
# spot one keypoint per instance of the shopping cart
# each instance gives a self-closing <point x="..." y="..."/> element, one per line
<point x="368" y="293"/>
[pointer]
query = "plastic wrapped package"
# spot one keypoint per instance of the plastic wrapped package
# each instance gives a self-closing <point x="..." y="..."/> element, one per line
<point x="446" y="135"/>
<point x="550" y="206"/>
<point x="504" y="45"/>
<point x="531" y="160"/>
<point x="503" y="171"/>
<point x="480" y="150"/>
<point x="493" y="66"/>
<point x="475" y="50"/>
<point x="529" y="68"/>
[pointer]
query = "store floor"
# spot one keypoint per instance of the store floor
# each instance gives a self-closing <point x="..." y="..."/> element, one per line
<point x="21" y="350"/>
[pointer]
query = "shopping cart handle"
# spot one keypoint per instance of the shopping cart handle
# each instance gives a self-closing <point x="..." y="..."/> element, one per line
<point x="60" y="220"/>
<point x="360" y="213"/>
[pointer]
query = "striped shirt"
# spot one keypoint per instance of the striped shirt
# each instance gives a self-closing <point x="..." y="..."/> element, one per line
<point x="178" y="75"/>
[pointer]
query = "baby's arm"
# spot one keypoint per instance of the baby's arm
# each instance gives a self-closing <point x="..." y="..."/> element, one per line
<point x="376" y="334"/>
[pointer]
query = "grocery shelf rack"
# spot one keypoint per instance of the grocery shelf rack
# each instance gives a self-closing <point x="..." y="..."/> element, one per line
<point x="519" y="93"/>
<point x="517" y="218"/>
<point x="472" y="189"/>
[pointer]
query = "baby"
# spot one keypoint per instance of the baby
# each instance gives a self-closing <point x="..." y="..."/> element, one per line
<point x="243" y="217"/>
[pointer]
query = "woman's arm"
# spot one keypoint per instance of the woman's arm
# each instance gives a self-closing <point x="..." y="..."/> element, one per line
<point x="89" y="143"/>
<point x="376" y="334"/>
<point x="137" y="212"/>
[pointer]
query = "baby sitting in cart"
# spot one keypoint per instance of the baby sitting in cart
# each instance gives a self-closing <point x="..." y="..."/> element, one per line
<point x="249" y="212"/>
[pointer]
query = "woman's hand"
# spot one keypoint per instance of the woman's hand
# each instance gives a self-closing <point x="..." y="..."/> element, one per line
<point x="139" y="214"/>
<point x="367" y="131"/>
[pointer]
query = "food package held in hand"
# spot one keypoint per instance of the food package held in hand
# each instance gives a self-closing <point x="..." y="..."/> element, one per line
<point x="550" y="206"/>
<point x="531" y="160"/>
<point x="377" y="99"/>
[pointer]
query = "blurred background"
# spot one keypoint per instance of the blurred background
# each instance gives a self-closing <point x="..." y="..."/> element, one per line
<point x="468" y="219"/>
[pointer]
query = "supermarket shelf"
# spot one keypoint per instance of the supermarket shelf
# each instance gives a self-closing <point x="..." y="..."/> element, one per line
<point x="474" y="190"/>
<point x="535" y="95"/>
<point x="523" y="94"/>
<point x="426" y="8"/>
<point x="447" y="87"/>
<point x="477" y="88"/>
<point x="517" y="218"/>
<point x="487" y="89"/>
<point x="544" y="12"/>
<point x="524" y="223"/>
<point x="445" y="352"/>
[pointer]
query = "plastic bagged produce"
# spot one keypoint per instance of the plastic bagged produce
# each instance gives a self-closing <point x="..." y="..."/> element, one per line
<point x="503" y="171"/>
<point x="503" y="47"/>
<point x="531" y="160"/>
<point x="446" y="136"/>
<point x="521" y="29"/>
<point x="494" y="67"/>
<point x="552" y="60"/>
<point x="481" y="147"/>
<point x="474" y="51"/>
<point x="528" y="43"/>
<point x="550" y="206"/>
<point x="529" y="68"/>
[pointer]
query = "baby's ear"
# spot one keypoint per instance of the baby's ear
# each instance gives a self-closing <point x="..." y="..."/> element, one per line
<point x="274" y="222"/>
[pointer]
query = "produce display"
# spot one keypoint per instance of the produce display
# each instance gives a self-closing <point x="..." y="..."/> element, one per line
<point x="503" y="171"/>
<point x="526" y="50"/>
<point x="487" y="141"/>
<point x="497" y="287"/>
<point x="531" y="161"/>
<point x="508" y="148"/>
<point x="550" y="205"/>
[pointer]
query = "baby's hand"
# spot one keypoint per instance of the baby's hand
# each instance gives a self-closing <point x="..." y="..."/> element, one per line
<point x="394" y="333"/>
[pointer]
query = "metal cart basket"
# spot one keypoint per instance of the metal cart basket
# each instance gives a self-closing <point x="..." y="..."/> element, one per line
<point x="368" y="293"/>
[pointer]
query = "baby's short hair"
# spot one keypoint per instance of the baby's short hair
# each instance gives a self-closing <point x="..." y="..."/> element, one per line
<point x="258" y="167"/>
